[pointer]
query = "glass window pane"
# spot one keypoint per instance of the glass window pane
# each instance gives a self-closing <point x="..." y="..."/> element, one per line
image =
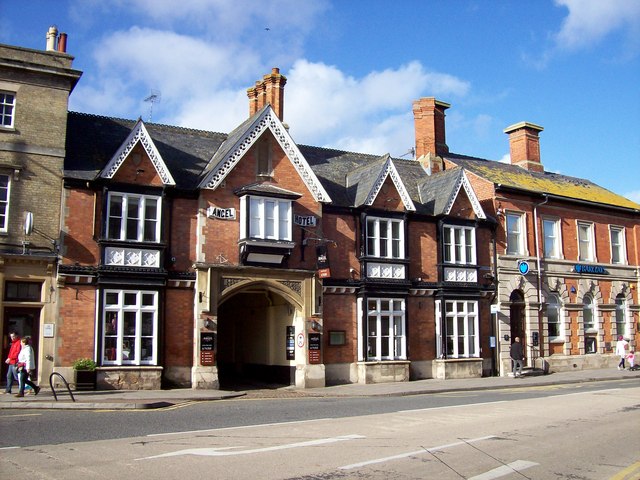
<point x="147" y="324"/>
<point x="130" y="298"/>
<point x="146" y="349"/>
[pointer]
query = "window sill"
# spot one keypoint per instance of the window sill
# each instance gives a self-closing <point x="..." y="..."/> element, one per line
<point x="556" y="340"/>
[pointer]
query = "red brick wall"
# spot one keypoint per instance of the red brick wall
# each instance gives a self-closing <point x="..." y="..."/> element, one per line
<point x="423" y="251"/>
<point x="221" y="236"/>
<point x="142" y="174"/>
<point x="339" y="313"/>
<point x="421" y="331"/>
<point x="75" y="326"/>
<point x="178" y="328"/>
<point x="181" y="231"/>
<point x="80" y="231"/>
<point x="344" y="231"/>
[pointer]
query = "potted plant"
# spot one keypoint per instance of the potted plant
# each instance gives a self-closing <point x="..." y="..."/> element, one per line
<point x="85" y="374"/>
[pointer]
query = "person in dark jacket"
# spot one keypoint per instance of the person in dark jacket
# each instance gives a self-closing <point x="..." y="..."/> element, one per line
<point x="517" y="357"/>
<point x="12" y="359"/>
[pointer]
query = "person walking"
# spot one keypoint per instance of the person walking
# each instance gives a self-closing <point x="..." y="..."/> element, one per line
<point x="517" y="357"/>
<point x="26" y="364"/>
<point x="12" y="359"/>
<point x="621" y="351"/>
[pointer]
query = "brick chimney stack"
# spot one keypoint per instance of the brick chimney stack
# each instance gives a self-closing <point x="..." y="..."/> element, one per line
<point x="268" y="91"/>
<point x="428" y="115"/>
<point x="524" y="145"/>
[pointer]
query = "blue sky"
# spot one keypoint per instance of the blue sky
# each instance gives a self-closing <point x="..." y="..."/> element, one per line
<point x="354" y="68"/>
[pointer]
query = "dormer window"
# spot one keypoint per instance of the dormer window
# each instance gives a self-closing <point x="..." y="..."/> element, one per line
<point x="133" y="217"/>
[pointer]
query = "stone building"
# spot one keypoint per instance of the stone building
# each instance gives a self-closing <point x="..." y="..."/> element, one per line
<point x="34" y="92"/>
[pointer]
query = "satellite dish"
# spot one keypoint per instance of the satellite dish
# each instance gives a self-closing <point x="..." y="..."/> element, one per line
<point x="28" y="223"/>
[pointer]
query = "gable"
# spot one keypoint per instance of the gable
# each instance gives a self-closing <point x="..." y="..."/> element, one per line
<point x="464" y="188"/>
<point x="137" y="168"/>
<point x="388" y="175"/>
<point x="242" y="139"/>
<point x="140" y="139"/>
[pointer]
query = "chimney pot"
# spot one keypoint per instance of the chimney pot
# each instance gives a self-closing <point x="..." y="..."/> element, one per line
<point x="62" y="43"/>
<point x="52" y="34"/>
<point x="524" y="146"/>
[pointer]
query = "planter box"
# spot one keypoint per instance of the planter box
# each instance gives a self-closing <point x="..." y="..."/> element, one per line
<point x="85" y="379"/>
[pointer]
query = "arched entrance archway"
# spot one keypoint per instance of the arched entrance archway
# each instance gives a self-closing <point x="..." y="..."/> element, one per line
<point x="252" y="329"/>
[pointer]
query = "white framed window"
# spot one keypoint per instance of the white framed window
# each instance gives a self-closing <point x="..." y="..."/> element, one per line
<point x="460" y="328"/>
<point x="5" y="190"/>
<point x="552" y="240"/>
<point x="7" y="109"/>
<point x="618" y="245"/>
<point x="515" y="233"/>
<point x="130" y="327"/>
<point x="586" y="246"/>
<point x="133" y="217"/>
<point x="622" y="326"/>
<point x="459" y="245"/>
<point x="588" y="313"/>
<point x="386" y="339"/>
<point x="554" y="317"/>
<point x="268" y="218"/>
<point x="385" y="238"/>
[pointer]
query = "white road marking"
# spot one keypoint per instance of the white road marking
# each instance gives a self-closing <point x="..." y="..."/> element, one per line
<point x="427" y="409"/>
<point x="191" y="432"/>
<point x="505" y="470"/>
<point x="216" y="452"/>
<point x="416" y="452"/>
<point x="7" y="448"/>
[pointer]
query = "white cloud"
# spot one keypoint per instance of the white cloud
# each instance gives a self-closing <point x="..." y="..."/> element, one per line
<point x="633" y="196"/>
<point x="589" y="21"/>
<point x="370" y="114"/>
<point x="506" y="158"/>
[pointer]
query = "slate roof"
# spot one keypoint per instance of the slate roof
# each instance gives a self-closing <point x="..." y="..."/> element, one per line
<point x="93" y="139"/>
<point x="555" y="184"/>
<point x="347" y="177"/>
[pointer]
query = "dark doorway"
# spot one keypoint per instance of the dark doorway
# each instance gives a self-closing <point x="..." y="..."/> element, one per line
<point x="251" y="347"/>
<point x="26" y="323"/>
<point x="517" y="318"/>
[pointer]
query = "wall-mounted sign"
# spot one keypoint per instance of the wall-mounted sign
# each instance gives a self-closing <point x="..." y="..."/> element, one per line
<point x="315" y="342"/>
<point x="290" y="343"/>
<point x="322" y="262"/>
<point x="523" y="267"/>
<point x="207" y="348"/>
<point x="48" y="330"/>
<point x="304" y="220"/>
<point x="596" y="269"/>
<point x="221" y="213"/>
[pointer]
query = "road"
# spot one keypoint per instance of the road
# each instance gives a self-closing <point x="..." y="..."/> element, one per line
<point x="575" y="432"/>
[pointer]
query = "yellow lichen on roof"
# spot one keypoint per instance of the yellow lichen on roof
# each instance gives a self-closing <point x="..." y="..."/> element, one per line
<point x="552" y="184"/>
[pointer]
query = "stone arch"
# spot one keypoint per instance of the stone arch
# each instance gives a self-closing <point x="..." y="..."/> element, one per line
<point x="590" y="287"/>
<point x="556" y="286"/>
<point x="246" y="285"/>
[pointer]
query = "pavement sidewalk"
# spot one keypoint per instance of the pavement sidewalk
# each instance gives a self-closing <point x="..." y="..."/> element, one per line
<point x="150" y="399"/>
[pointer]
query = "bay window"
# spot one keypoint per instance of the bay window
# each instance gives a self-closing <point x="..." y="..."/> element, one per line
<point x="385" y="329"/>
<point x="460" y="329"/>
<point x="269" y="218"/>
<point x="385" y="238"/>
<point x="129" y="327"/>
<point x="459" y="245"/>
<point x="133" y="217"/>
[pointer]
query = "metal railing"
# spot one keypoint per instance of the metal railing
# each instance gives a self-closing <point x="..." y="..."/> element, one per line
<point x="66" y="384"/>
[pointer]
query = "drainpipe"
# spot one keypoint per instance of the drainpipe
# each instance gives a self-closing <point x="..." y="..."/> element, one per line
<point x="538" y="272"/>
<point x="535" y="229"/>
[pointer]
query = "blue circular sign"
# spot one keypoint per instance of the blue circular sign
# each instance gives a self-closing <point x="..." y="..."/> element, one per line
<point x="523" y="267"/>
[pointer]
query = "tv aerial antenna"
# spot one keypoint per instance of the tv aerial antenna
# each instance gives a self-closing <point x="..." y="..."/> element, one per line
<point x="154" y="97"/>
